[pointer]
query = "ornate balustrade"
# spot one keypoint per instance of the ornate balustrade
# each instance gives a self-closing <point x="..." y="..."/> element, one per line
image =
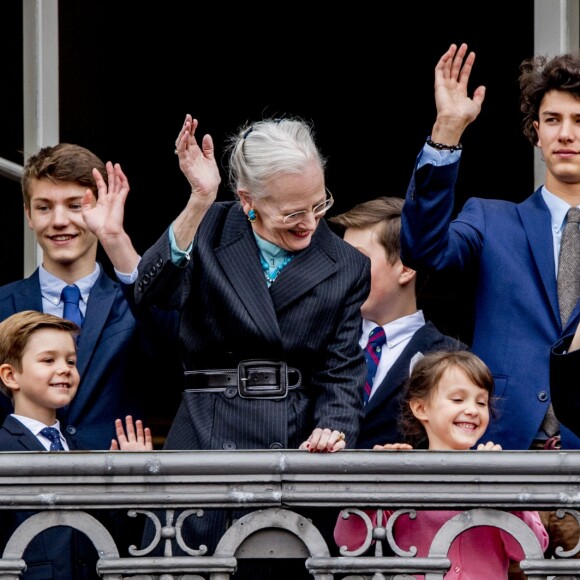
<point x="278" y="487"/>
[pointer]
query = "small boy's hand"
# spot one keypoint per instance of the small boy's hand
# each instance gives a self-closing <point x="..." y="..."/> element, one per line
<point x="489" y="446"/>
<point x="137" y="438"/>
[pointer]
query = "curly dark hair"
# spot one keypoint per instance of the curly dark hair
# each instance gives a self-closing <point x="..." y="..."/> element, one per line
<point x="540" y="75"/>
<point x="424" y="379"/>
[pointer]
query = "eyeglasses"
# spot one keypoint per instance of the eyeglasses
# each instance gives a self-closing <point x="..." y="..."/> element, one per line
<point x="317" y="210"/>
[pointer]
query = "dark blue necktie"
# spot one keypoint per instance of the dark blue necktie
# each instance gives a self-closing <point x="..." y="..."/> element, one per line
<point x="71" y="296"/>
<point x="377" y="339"/>
<point x="52" y="434"/>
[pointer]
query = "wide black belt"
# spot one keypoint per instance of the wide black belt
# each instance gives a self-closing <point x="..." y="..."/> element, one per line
<point x="255" y="378"/>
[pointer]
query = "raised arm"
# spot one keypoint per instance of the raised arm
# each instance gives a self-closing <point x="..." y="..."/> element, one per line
<point x="428" y="240"/>
<point x="199" y="166"/>
<point x="105" y="217"/>
<point x="455" y="109"/>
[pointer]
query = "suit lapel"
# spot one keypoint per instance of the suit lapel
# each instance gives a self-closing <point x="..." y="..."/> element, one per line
<point x="392" y="381"/>
<point x="238" y="255"/>
<point x="308" y="269"/>
<point x="101" y="300"/>
<point x="27" y="295"/>
<point x="21" y="435"/>
<point x="536" y="221"/>
<point x="421" y="341"/>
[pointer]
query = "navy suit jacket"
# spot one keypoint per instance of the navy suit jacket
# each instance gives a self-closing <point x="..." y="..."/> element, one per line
<point x="509" y="247"/>
<point x="119" y="361"/>
<point x="381" y="420"/>
<point x="309" y="317"/>
<point x="59" y="553"/>
<point x="14" y="436"/>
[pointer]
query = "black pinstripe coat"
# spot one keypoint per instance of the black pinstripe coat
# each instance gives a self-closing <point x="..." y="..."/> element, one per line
<point x="309" y="317"/>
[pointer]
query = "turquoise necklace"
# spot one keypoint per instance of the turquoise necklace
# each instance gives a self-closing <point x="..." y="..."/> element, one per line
<point x="271" y="270"/>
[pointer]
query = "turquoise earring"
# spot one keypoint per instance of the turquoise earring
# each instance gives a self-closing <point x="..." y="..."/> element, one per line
<point x="252" y="216"/>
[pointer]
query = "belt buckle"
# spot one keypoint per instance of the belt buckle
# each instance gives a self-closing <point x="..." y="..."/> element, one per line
<point x="266" y="379"/>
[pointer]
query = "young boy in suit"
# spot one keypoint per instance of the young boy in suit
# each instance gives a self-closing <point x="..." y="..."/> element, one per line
<point x="374" y="228"/>
<point x="38" y="373"/>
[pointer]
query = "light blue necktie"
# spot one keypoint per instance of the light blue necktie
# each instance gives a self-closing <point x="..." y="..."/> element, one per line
<point x="71" y="296"/>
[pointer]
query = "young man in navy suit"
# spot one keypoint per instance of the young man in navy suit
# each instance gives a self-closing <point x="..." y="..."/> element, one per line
<point x="73" y="201"/>
<point x="373" y="227"/>
<point x="513" y="249"/>
<point x="38" y="374"/>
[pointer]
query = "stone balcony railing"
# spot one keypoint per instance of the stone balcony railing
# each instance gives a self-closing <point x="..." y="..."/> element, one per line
<point x="276" y="486"/>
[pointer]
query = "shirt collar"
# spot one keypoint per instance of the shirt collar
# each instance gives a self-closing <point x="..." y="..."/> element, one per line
<point x="51" y="286"/>
<point x="270" y="251"/>
<point x="35" y="426"/>
<point x="396" y="331"/>
<point x="558" y="209"/>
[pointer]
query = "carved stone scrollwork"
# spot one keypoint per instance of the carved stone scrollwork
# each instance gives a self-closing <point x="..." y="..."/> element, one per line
<point x="560" y="552"/>
<point x="168" y="532"/>
<point x="383" y="531"/>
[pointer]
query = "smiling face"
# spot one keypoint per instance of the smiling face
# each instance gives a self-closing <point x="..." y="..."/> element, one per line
<point x="48" y="377"/>
<point x="558" y="130"/>
<point x="69" y="248"/>
<point x="456" y="414"/>
<point x="286" y="194"/>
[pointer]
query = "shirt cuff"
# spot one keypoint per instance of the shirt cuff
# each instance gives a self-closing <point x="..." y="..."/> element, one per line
<point x="128" y="278"/>
<point x="178" y="256"/>
<point x="437" y="157"/>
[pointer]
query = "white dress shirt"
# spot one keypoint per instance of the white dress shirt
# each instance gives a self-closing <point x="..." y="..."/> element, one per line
<point x="398" y="332"/>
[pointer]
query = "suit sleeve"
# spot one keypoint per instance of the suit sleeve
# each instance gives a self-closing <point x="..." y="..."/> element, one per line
<point x="340" y="380"/>
<point x="430" y="239"/>
<point x="159" y="280"/>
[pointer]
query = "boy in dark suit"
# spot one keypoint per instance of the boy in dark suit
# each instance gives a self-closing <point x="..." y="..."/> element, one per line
<point x="38" y="372"/>
<point x="374" y="228"/>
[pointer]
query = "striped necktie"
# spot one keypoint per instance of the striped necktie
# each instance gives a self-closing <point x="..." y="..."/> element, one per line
<point x="377" y="339"/>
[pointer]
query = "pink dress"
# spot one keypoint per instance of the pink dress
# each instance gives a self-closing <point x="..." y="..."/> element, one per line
<point x="477" y="554"/>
